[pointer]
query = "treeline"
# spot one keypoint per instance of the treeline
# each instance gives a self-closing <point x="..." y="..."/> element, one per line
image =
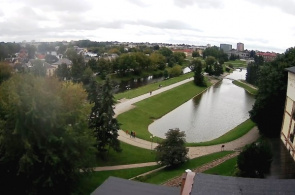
<point x="271" y="79"/>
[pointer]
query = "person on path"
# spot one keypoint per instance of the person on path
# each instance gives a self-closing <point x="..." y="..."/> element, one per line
<point x="150" y="92"/>
<point x="134" y="134"/>
<point x="131" y="133"/>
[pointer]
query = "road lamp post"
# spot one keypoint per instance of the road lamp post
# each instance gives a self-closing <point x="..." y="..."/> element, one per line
<point x="151" y="142"/>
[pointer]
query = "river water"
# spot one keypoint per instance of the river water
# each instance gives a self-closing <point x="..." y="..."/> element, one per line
<point x="211" y="114"/>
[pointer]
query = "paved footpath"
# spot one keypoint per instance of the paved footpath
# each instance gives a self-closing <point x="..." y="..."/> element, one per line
<point x="194" y="152"/>
<point x="127" y="104"/>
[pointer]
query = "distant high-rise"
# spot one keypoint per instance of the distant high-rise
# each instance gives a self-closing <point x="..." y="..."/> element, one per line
<point x="240" y="46"/>
<point x="226" y="47"/>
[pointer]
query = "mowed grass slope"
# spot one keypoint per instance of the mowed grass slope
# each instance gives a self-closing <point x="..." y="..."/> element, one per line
<point x="151" y="87"/>
<point x="155" y="107"/>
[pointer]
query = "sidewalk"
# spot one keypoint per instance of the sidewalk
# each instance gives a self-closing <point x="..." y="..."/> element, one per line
<point x="127" y="104"/>
<point x="117" y="167"/>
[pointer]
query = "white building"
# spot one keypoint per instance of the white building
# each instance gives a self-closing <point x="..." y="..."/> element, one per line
<point x="288" y="126"/>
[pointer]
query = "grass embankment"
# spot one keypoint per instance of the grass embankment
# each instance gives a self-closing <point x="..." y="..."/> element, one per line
<point x="151" y="87"/>
<point x="164" y="175"/>
<point x="155" y="107"/>
<point x="236" y="63"/>
<point x="247" y="87"/>
<point x="90" y="181"/>
<point x="233" y="134"/>
<point x="227" y="168"/>
<point x="129" y="155"/>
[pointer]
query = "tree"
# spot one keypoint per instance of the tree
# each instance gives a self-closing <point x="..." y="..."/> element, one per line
<point x="179" y="57"/>
<point x="158" y="61"/>
<point x="195" y="54"/>
<point x="198" y="76"/>
<point x="172" y="151"/>
<point x="50" y="59"/>
<point x="252" y="75"/>
<point x="38" y="68"/>
<point x="105" y="127"/>
<point x="268" y="109"/>
<point x="44" y="137"/>
<point x="5" y="71"/>
<point x="255" y="160"/>
<point x="175" y="71"/>
<point x="63" y="72"/>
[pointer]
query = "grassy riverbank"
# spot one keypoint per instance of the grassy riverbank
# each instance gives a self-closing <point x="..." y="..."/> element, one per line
<point x="129" y="155"/>
<point x="247" y="87"/>
<point x="151" y="87"/>
<point x="155" y="107"/>
<point x="164" y="175"/>
<point x="233" y="134"/>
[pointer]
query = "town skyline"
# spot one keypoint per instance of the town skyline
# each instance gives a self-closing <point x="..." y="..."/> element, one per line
<point x="259" y="25"/>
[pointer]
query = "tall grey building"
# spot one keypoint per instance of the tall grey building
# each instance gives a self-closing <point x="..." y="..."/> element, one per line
<point x="226" y="47"/>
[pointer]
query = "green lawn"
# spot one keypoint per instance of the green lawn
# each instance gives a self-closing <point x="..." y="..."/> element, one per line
<point x="151" y="87"/>
<point x="228" y="168"/>
<point x="163" y="175"/>
<point x="236" y="63"/>
<point x="155" y="107"/>
<point x="129" y="155"/>
<point x="233" y="134"/>
<point x="90" y="181"/>
<point x="247" y="87"/>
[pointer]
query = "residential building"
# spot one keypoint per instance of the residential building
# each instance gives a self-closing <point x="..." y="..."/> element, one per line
<point x="240" y="46"/>
<point x="225" y="47"/>
<point x="267" y="56"/>
<point x="288" y="126"/>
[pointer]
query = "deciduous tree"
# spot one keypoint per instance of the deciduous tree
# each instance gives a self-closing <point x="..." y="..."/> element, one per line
<point x="172" y="151"/>
<point x="44" y="137"/>
<point x="268" y="109"/>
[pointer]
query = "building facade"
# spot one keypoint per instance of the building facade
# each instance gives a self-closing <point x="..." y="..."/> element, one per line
<point x="240" y="46"/>
<point x="225" y="47"/>
<point x="288" y="126"/>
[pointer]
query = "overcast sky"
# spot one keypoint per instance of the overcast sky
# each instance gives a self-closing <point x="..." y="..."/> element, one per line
<point x="266" y="25"/>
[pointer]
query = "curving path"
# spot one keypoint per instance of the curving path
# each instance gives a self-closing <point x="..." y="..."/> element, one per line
<point x="127" y="104"/>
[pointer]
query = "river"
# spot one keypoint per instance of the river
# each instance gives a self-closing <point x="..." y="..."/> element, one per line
<point x="211" y="114"/>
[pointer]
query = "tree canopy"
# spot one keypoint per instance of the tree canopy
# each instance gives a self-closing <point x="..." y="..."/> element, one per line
<point x="44" y="136"/>
<point x="105" y="127"/>
<point x="268" y="109"/>
<point x="172" y="151"/>
<point x="255" y="160"/>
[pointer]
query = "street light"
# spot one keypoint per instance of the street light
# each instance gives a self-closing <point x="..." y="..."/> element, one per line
<point x="152" y="141"/>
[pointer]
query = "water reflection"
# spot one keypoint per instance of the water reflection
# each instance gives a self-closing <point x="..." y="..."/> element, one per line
<point x="210" y="115"/>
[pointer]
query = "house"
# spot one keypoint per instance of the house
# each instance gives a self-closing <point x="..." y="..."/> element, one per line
<point x="267" y="56"/>
<point x="288" y="125"/>
<point x="62" y="61"/>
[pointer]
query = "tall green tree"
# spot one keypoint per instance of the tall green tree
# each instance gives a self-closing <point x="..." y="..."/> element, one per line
<point x="255" y="160"/>
<point x="38" y="68"/>
<point x="105" y="127"/>
<point x="268" y="109"/>
<point x="44" y="137"/>
<point x="172" y="151"/>
<point x="5" y="71"/>
<point x="63" y="72"/>
<point x="196" y="67"/>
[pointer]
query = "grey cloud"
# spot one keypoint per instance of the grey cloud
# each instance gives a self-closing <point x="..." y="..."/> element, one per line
<point x="138" y="3"/>
<point x="200" y="3"/>
<point x="287" y="6"/>
<point x="169" y="24"/>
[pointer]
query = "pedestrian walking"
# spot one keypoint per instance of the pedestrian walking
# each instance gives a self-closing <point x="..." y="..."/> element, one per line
<point x="134" y="134"/>
<point x="150" y="92"/>
<point x="131" y="134"/>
